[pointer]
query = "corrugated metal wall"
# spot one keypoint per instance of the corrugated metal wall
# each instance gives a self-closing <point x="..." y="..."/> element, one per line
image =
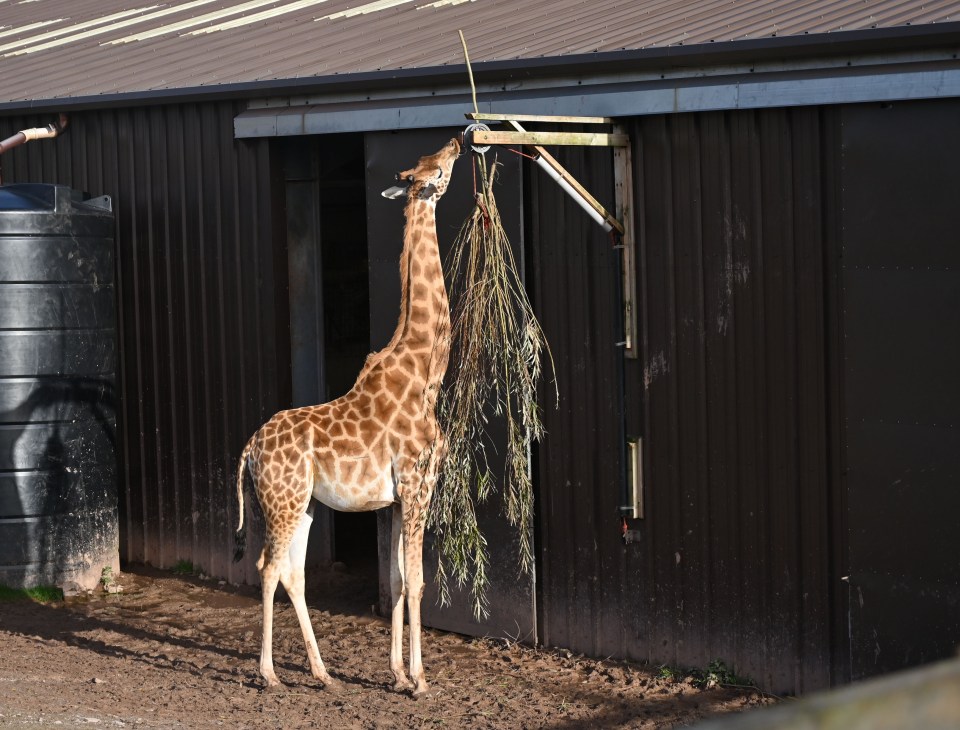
<point x="580" y="571"/>
<point x="901" y="319"/>
<point x="205" y="327"/>
<point x="729" y="394"/>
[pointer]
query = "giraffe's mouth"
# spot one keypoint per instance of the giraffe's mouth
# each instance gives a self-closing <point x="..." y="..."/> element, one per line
<point x="396" y="191"/>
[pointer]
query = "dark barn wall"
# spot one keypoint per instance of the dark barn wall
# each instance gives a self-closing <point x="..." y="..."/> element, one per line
<point x="901" y="319"/>
<point x="204" y="336"/>
<point x="580" y="569"/>
<point x="729" y="394"/>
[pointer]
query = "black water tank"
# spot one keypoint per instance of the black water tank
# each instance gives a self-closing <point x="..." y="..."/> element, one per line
<point x="58" y="358"/>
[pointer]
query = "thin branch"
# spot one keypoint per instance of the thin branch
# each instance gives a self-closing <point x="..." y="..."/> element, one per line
<point x="466" y="56"/>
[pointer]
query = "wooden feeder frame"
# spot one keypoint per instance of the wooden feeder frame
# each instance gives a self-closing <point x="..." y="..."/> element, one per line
<point x="621" y="220"/>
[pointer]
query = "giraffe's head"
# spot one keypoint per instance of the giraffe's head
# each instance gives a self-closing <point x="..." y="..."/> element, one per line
<point x="429" y="179"/>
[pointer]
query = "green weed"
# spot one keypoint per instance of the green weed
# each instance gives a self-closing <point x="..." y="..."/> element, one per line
<point x="40" y="594"/>
<point x="184" y="567"/>
<point x="716" y="674"/>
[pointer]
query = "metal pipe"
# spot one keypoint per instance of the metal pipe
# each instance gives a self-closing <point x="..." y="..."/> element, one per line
<point x="568" y="189"/>
<point x="28" y="135"/>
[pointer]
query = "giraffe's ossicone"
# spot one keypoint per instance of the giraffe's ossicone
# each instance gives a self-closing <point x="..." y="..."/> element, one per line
<point x="379" y="445"/>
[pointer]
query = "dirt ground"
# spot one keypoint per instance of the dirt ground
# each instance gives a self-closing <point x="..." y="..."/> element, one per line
<point x="173" y="651"/>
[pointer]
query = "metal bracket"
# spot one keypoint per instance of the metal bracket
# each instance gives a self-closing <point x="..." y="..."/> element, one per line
<point x="546" y="161"/>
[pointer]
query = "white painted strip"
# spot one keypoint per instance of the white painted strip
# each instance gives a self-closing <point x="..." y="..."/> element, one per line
<point x="27" y="28"/>
<point x="114" y="26"/>
<point x="257" y="17"/>
<point x="194" y="22"/>
<point x="364" y="9"/>
<point x="443" y="3"/>
<point x="73" y="28"/>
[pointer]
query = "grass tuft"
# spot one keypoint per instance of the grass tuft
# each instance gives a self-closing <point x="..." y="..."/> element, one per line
<point x="184" y="567"/>
<point x="40" y="594"/>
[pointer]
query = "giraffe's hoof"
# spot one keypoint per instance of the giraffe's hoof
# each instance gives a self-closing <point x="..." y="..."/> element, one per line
<point x="424" y="690"/>
<point x="272" y="683"/>
<point x="402" y="685"/>
<point x="330" y="684"/>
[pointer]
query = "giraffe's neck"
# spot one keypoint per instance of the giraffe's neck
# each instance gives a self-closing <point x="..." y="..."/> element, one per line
<point x="423" y="328"/>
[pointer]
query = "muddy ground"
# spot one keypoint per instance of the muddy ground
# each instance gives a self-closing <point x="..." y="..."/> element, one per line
<point x="179" y="651"/>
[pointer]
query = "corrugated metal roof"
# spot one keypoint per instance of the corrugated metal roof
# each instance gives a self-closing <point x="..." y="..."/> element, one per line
<point x="78" y="48"/>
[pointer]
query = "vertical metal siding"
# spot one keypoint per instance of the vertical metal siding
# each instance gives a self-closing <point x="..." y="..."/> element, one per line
<point x="901" y="355"/>
<point x="729" y="394"/>
<point x="580" y="568"/>
<point x="203" y="359"/>
<point x="736" y="411"/>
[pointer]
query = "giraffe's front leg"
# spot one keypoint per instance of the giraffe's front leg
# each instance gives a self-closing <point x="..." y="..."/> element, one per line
<point x="413" y="574"/>
<point x="414" y="527"/>
<point x="396" y="597"/>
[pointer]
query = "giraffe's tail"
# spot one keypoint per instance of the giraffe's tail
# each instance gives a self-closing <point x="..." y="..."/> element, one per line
<point x="240" y="537"/>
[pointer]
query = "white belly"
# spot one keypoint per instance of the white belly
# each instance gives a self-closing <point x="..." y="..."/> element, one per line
<point x="374" y="494"/>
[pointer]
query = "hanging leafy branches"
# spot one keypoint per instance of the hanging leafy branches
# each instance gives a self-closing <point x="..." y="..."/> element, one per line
<point x="497" y="345"/>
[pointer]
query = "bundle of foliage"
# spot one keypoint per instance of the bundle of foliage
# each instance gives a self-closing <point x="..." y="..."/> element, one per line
<point x="497" y="345"/>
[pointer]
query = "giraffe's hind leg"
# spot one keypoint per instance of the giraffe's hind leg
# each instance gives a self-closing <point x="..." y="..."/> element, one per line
<point x="294" y="583"/>
<point x="269" y="576"/>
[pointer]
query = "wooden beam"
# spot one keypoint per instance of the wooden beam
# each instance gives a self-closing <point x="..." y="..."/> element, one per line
<point x="577" y="139"/>
<point x="623" y="186"/>
<point x="487" y="117"/>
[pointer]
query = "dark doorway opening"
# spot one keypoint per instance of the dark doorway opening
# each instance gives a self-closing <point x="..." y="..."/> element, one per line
<point x="346" y="308"/>
<point x="328" y="278"/>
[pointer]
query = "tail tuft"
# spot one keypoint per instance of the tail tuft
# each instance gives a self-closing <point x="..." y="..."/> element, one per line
<point x="240" y="539"/>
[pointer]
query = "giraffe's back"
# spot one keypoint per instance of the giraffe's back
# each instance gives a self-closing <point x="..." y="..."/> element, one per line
<point x="321" y="451"/>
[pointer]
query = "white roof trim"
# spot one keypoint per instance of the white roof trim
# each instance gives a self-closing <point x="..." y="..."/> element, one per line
<point x="625" y="100"/>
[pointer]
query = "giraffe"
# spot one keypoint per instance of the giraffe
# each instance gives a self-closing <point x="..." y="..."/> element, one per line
<point x="377" y="446"/>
